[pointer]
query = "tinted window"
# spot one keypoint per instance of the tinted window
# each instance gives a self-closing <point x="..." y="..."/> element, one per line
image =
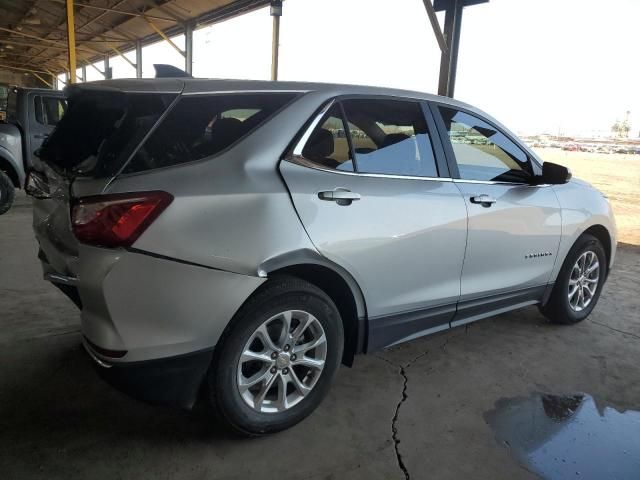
<point x="100" y="131"/>
<point x="37" y="109"/>
<point x="483" y="152"/>
<point x="201" y="126"/>
<point x="390" y="137"/>
<point x="327" y="145"/>
<point x="54" y="108"/>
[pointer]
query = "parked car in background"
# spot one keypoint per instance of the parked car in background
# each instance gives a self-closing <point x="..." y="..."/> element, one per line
<point x="241" y="239"/>
<point x="32" y="114"/>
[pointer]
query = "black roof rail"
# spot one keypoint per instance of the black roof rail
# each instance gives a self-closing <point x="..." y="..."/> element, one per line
<point x="169" y="71"/>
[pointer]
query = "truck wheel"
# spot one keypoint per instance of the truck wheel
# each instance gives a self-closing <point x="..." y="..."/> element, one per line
<point x="7" y="193"/>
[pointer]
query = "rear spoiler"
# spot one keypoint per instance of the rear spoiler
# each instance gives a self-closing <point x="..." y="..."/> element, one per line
<point x="169" y="71"/>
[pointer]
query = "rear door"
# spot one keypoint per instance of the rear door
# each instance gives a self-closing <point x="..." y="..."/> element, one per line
<point x="514" y="226"/>
<point x="366" y="182"/>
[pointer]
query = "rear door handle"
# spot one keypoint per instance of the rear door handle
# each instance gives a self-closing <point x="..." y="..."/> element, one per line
<point x="340" y="195"/>
<point x="41" y="135"/>
<point x="484" y="200"/>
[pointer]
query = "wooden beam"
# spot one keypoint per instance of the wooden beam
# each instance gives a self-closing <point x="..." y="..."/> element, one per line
<point x="37" y="75"/>
<point x="435" y="25"/>
<point x="164" y="36"/>
<point x="120" y="12"/>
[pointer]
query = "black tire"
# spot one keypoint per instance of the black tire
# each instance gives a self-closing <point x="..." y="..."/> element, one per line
<point x="7" y="193"/>
<point x="277" y="296"/>
<point x="558" y="309"/>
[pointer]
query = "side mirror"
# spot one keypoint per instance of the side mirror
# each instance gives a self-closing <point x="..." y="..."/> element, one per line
<point x="553" y="174"/>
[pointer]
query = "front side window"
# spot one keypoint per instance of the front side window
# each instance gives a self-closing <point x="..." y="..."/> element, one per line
<point x="202" y="126"/>
<point x="54" y="108"/>
<point x="482" y="152"/>
<point x="37" y="109"/>
<point x="327" y="146"/>
<point x="49" y="110"/>
<point x="390" y="137"/>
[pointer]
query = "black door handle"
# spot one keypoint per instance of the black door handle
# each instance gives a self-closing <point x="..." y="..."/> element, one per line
<point x="340" y="195"/>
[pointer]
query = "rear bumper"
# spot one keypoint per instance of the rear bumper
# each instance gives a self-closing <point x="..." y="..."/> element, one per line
<point x="155" y="308"/>
<point x="173" y="381"/>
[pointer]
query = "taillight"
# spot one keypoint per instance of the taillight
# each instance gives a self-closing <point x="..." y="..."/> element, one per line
<point x="116" y="220"/>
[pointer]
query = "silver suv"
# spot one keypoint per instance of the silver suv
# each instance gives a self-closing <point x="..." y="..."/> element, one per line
<point x="242" y="238"/>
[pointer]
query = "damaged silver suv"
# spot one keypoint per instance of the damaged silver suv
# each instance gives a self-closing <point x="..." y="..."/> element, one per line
<point x="238" y="240"/>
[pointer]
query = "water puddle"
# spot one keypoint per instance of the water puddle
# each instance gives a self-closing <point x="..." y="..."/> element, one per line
<point x="560" y="437"/>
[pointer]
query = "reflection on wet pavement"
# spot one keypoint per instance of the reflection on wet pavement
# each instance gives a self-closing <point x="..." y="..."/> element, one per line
<point x="560" y="437"/>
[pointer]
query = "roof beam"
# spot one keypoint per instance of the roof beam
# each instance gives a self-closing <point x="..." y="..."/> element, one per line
<point x="164" y="36"/>
<point x="120" y="12"/>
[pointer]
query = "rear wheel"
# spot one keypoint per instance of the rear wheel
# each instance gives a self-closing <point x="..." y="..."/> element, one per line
<point x="277" y="360"/>
<point x="7" y="192"/>
<point x="579" y="283"/>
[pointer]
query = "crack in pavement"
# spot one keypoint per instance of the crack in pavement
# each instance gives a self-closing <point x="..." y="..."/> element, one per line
<point x="394" y="429"/>
<point x="402" y="370"/>
<point x="615" y="329"/>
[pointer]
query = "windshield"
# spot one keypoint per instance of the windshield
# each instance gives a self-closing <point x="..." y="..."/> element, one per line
<point x="100" y="130"/>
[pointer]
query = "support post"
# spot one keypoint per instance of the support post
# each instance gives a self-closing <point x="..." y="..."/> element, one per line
<point x="138" y="59"/>
<point x="71" y="40"/>
<point x="276" y="13"/>
<point x="107" y="69"/>
<point x="84" y="73"/>
<point x="188" y="48"/>
<point x="449" y="57"/>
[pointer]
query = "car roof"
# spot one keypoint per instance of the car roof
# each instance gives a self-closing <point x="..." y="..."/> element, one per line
<point x="194" y="86"/>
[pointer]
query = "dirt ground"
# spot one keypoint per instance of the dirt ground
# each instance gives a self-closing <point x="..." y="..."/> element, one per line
<point x="616" y="175"/>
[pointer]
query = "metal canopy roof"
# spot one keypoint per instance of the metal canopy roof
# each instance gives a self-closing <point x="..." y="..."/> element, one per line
<point x="33" y="33"/>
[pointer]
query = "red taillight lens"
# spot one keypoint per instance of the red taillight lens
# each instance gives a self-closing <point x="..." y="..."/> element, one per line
<point x="116" y="220"/>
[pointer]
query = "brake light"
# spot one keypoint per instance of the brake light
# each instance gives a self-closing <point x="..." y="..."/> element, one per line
<point x="116" y="220"/>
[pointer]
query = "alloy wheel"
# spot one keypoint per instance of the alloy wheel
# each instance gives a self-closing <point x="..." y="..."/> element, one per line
<point x="282" y="361"/>
<point x="583" y="281"/>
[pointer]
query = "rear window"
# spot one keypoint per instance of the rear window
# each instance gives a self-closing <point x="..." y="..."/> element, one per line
<point x="100" y="131"/>
<point x="202" y="126"/>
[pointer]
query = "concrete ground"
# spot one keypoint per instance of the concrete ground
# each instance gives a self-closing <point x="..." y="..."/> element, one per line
<point x="415" y="411"/>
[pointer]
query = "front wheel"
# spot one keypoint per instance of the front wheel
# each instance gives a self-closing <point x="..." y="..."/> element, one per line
<point x="278" y="358"/>
<point x="7" y="192"/>
<point x="579" y="282"/>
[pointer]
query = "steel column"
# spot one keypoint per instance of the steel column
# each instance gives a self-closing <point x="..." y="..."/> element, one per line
<point x="188" y="48"/>
<point x="71" y="40"/>
<point x="107" y="68"/>
<point x="449" y="58"/>
<point x="138" y="59"/>
<point x="276" y="13"/>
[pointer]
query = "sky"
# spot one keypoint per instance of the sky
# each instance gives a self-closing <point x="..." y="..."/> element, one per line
<point x="555" y="66"/>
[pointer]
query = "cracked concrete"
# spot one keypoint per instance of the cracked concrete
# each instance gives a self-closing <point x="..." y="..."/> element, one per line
<point x="415" y="411"/>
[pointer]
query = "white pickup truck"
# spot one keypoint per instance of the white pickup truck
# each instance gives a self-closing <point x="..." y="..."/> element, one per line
<point x="31" y="115"/>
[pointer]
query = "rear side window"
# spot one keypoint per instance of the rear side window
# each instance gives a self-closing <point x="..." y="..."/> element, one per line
<point x="100" y="131"/>
<point x="202" y="126"/>
<point x="327" y="146"/>
<point x="390" y="137"/>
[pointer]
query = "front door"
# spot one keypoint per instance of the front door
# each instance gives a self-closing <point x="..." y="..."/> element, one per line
<point x="514" y="226"/>
<point x="45" y="112"/>
<point x="387" y="218"/>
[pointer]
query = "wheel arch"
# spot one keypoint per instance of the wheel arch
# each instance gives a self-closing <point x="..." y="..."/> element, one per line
<point x="602" y="234"/>
<point x="9" y="168"/>
<point x="335" y="282"/>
